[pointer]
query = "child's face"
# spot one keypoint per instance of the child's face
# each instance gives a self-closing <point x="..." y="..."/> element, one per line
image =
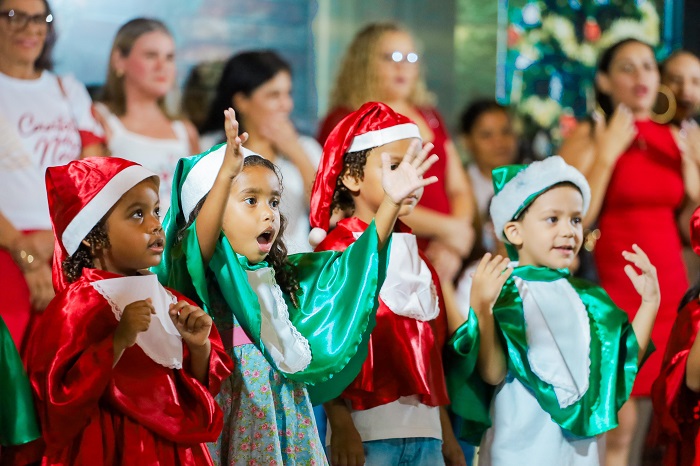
<point x="252" y="217"/>
<point x="135" y="234"/>
<point x="369" y="192"/>
<point x="550" y="232"/>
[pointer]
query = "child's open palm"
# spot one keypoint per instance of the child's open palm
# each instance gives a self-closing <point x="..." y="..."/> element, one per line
<point x="399" y="183"/>
<point x="192" y="322"/>
<point x="646" y="283"/>
<point x="233" y="160"/>
<point x="488" y="280"/>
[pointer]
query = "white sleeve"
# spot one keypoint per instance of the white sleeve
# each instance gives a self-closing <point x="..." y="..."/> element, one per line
<point x="463" y="290"/>
<point x="81" y="106"/>
<point x="312" y="148"/>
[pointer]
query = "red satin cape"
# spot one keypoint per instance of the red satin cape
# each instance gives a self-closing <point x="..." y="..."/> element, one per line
<point x="138" y="412"/>
<point x="677" y="407"/>
<point x="405" y="355"/>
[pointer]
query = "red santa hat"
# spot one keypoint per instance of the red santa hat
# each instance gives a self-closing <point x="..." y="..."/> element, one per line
<point x="80" y="194"/>
<point x="372" y="125"/>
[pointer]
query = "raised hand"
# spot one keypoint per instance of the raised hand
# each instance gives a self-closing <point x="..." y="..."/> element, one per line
<point x="488" y="280"/>
<point x="689" y="141"/>
<point x="613" y="137"/>
<point x="192" y="322"/>
<point x="233" y="159"/>
<point x="646" y="283"/>
<point x="135" y="319"/>
<point x="407" y="177"/>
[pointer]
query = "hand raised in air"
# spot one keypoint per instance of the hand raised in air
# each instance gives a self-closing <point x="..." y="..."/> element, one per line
<point x="403" y="180"/>
<point x="233" y="159"/>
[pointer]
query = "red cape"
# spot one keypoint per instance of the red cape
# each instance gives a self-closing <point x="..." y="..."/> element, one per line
<point x="675" y="405"/>
<point x="405" y="355"/>
<point x="138" y="412"/>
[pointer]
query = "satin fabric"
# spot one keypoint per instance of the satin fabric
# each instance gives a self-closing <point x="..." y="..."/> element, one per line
<point x="677" y="407"/>
<point x="18" y="421"/>
<point x="337" y="298"/>
<point x="470" y="395"/>
<point x="138" y="412"/>
<point x="337" y="303"/>
<point x="404" y="354"/>
<point x="613" y="353"/>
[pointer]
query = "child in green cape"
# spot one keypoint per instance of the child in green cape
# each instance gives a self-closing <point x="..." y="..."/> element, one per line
<point x="569" y="355"/>
<point x="289" y="321"/>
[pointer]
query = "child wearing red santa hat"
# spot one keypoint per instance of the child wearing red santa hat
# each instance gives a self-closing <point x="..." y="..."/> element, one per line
<point x="676" y="393"/>
<point x="391" y="413"/>
<point x="123" y="370"/>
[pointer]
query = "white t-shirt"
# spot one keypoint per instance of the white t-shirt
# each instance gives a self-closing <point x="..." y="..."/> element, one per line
<point x="482" y="187"/>
<point x="404" y="418"/>
<point x="158" y="155"/>
<point x="40" y="127"/>
<point x="294" y="205"/>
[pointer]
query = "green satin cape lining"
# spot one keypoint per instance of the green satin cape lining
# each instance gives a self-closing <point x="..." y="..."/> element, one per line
<point x="18" y="421"/>
<point x="613" y="354"/>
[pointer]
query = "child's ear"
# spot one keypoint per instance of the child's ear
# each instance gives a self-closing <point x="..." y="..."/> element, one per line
<point x="351" y="182"/>
<point x="512" y="232"/>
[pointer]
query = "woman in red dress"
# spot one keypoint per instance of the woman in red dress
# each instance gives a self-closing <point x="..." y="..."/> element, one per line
<point x="639" y="178"/>
<point x="382" y="65"/>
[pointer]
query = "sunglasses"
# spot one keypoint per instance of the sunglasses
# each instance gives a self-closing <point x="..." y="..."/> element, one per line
<point x="19" y="20"/>
<point x="398" y="57"/>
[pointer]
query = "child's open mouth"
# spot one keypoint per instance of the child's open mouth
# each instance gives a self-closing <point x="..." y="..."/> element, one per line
<point x="157" y="245"/>
<point x="265" y="240"/>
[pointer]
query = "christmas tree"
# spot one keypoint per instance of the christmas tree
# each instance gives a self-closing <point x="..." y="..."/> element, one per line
<point x="551" y="48"/>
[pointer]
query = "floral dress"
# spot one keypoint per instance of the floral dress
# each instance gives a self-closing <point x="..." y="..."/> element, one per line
<point x="268" y="418"/>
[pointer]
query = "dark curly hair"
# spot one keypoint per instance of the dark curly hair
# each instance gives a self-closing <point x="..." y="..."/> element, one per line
<point x="353" y="165"/>
<point x="285" y="275"/>
<point x="83" y="258"/>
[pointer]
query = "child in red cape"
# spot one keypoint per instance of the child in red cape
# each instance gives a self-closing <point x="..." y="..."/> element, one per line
<point x="124" y="371"/>
<point x="676" y="392"/>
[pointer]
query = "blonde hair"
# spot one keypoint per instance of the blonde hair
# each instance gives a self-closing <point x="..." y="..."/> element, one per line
<point x="357" y="81"/>
<point x="113" y="94"/>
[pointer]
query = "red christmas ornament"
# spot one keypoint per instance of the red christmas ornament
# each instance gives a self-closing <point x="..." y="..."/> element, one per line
<point x="591" y="30"/>
<point x="514" y="34"/>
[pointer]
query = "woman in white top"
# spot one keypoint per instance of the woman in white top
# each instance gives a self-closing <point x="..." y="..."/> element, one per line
<point x="258" y="85"/>
<point x="137" y="125"/>
<point x="44" y="121"/>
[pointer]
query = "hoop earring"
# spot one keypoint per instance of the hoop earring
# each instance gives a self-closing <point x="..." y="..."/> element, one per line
<point x="665" y="117"/>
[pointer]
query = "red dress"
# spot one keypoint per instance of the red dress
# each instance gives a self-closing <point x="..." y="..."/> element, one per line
<point x="675" y="405"/>
<point x="645" y="190"/>
<point x="434" y="195"/>
<point x="404" y="356"/>
<point x="137" y="413"/>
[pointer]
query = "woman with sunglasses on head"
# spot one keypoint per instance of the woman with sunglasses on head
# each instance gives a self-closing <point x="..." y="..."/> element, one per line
<point x="640" y="171"/>
<point x="382" y="65"/>
<point x="45" y="120"/>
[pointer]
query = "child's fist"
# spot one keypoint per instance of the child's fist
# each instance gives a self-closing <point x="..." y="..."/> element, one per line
<point x="135" y="319"/>
<point x="488" y="280"/>
<point x="192" y="322"/>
